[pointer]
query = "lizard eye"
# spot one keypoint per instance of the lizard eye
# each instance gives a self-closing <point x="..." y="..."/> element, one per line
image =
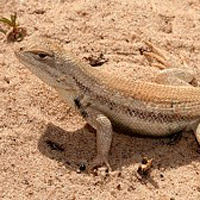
<point x="42" y="55"/>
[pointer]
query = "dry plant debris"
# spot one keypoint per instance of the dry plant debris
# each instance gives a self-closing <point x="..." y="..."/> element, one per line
<point x="95" y="61"/>
<point x="145" y="166"/>
<point x="14" y="32"/>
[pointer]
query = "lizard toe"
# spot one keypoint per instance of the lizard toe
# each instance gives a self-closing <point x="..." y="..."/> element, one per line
<point x="99" y="161"/>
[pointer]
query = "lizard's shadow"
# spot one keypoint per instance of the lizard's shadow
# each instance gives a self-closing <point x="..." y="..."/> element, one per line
<point x="74" y="148"/>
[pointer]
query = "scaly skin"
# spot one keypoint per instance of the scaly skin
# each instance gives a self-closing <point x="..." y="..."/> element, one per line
<point x="103" y="100"/>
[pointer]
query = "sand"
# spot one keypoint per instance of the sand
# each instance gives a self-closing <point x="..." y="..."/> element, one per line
<point x="43" y="142"/>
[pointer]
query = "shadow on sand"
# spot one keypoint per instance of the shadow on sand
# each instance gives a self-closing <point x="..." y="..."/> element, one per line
<point x="74" y="148"/>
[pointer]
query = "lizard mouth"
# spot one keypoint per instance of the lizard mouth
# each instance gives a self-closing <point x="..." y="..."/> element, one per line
<point x="21" y="57"/>
<point x="17" y="54"/>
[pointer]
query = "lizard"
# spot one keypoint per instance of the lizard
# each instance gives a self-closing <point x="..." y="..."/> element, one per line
<point x="167" y="106"/>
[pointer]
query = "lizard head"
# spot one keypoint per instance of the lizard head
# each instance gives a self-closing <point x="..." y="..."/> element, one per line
<point x="46" y="60"/>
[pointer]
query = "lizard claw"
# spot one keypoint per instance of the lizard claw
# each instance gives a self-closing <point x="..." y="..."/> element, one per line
<point x="99" y="161"/>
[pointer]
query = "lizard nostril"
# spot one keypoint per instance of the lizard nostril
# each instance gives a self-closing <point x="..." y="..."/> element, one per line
<point x="21" y="48"/>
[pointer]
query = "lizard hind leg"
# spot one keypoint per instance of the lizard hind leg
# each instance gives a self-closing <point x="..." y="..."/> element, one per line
<point x="169" y="74"/>
<point x="176" y="77"/>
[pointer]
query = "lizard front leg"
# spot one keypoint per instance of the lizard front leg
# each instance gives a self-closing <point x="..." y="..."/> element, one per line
<point x="103" y="127"/>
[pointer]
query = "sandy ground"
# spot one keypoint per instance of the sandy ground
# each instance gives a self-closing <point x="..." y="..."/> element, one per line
<point x="33" y="119"/>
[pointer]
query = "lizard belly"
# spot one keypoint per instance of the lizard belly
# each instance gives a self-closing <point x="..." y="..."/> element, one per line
<point x="122" y="122"/>
<point x="149" y="128"/>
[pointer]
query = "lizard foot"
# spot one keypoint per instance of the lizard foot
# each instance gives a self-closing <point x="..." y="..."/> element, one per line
<point x="157" y="55"/>
<point x="99" y="161"/>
